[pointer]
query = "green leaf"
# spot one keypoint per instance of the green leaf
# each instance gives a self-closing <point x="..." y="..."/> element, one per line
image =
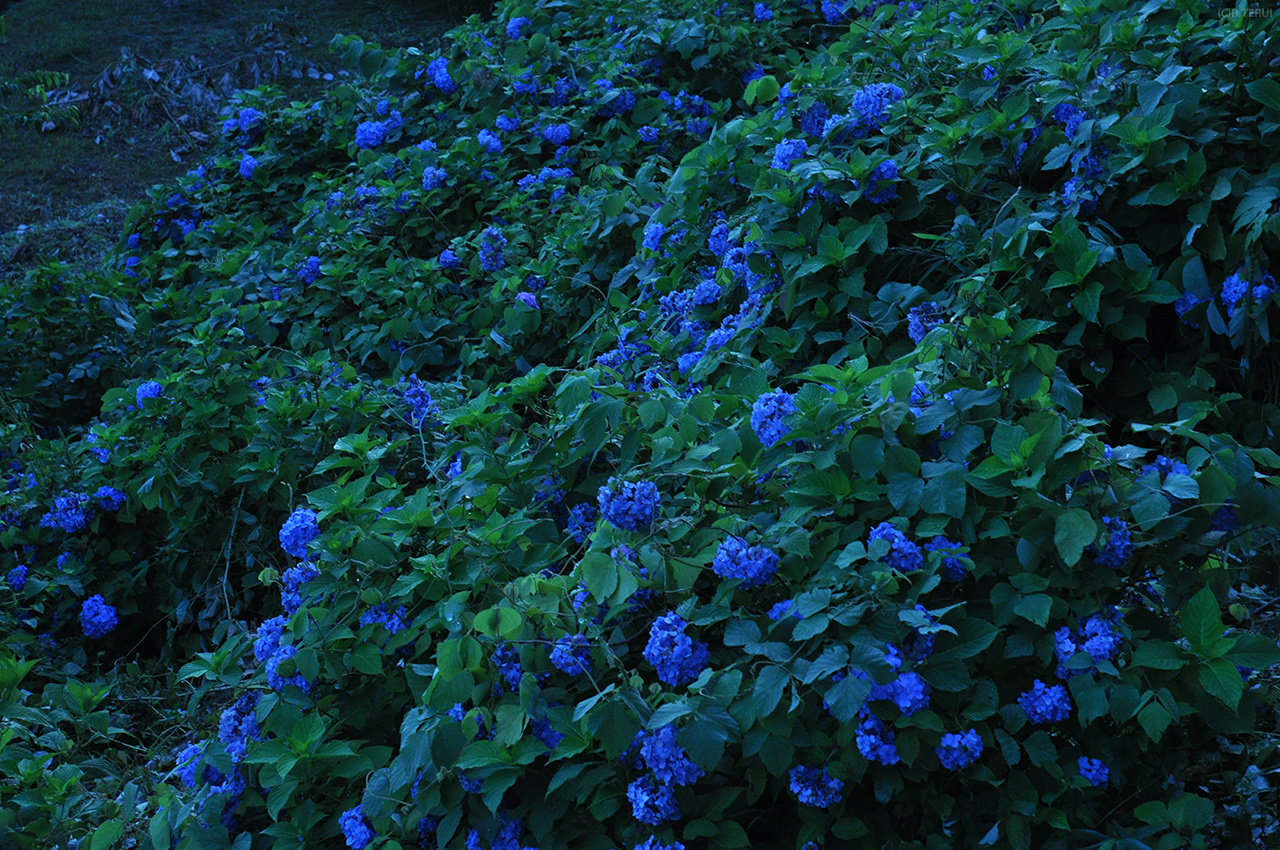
<point x="1158" y="655"/>
<point x="600" y="573"/>
<point x="1265" y="91"/>
<point x="1035" y="608"/>
<point x="1202" y="623"/>
<point x="1074" y="529"/>
<point x="1253" y="651"/>
<point x="107" y="835"/>
<point x="770" y="684"/>
<point x="1154" y="719"/>
<point x="1222" y="680"/>
<point x="847" y="697"/>
<point x="159" y="830"/>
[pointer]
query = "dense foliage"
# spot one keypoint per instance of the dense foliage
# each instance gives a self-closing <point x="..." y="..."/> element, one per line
<point x="670" y="424"/>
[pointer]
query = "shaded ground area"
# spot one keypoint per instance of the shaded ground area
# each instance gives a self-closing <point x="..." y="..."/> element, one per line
<point x="147" y="81"/>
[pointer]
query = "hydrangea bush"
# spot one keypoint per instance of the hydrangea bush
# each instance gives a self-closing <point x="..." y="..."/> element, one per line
<point x="806" y="505"/>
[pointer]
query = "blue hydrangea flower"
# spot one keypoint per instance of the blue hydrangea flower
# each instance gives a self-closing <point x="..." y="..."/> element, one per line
<point x="471" y="786"/>
<point x="910" y="692"/>
<point x="572" y="654"/>
<point x="151" y="389"/>
<point x="988" y="73"/>
<point x="814" y="787"/>
<point x="507" y="659"/>
<point x="904" y="556"/>
<point x="954" y="567"/>
<point x="294" y="578"/>
<point x="439" y="72"/>
<point x="648" y="133"/>
<point x="923" y="318"/>
<point x="528" y="299"/>
<point x="449" y="260"/>
<point x="489" y="142"/>
<point x="544" y="732"/>
<point x="1118" y="549"/>
<point x="491" y="244"/>
<point x="666" y="759"/>
<point x="651" y="802"/>
<point x="582" y="521"/>
<point x="1224" y="518"/>
<point x="788" y="151"/>
<point x="678" y="658"/>
<point x="423" y="409"/>
<point x="629" y="505"/>
<point x="871" y="103"/>
<point x="238" y="725"/>
<point x="370" y="134"/>
<point x="17" y="578"/>
<point x="247" y="164"/>
<point x="832" y="12"/>
<point x="309" y="271"/>
<point x="1094" y="770"/>
<point x="762" y="13"/>
<point x="652" y="843"/>
<point x="876" y="742"/>
<point x="781" y="609"/>
<point x="769" y="415"/>
<point x="959" y="750"/>
<point x="884" y="173"/>
<point x="653" y="233"/>
<point x="356" y="828"/>
<point x="188" y="763"/>
<point x="109" y="498"/>
<point x="1069" y="117"/>
<point x="1045" y="703"/>
<point x="515" y="28"/>
<point x="299" y="529"/>
<point x="71" y="512"/>
<point x="557" y="134"/>
<point x="276" y="680"/>
<point x="754" y="565"/>
<point x="97" y="618"/>
<point x="267" y="639"/>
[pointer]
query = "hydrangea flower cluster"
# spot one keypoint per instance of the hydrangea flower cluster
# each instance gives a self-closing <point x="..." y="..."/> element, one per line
<point x="1118" y="549"/>
<point x="150" y="389"/>
<point x="528" y="299"/>
<point x="652" y="843"/>
<point x="546" y="733"/>
<point x="1070" y="117"/>
<point x="787" y="152"/>
<point x="433" y="178"/>
<point x="572" y="654"/>
<point x="1094" y="770"/>
<point x="17" y="578"/>
<point x="276" y="680"/>
<point x="298" y="531"/>
<point x="423" y="409"/>
<point x="294" y="578"/>
<point x="1046" y="703"/>
<point x="449" y="260"/>
<point x="370" y="134"/>
<point x="782" y="609"/>
<point x="507" y="659"/>
<point x="71" y="512"/>
<point x="923" y="318"/>
<point x="652" y="796"/>
<point x="356" y="828"/>
<point x="904" y="556"/>
<point x="769" y="415"/>
<point x="515" y="27"/>
<point x="762" y="13"/>
<point x="755" y="565"/>
<point x="393" y="621"/>
<point x="438" y="70"/>
<point x="880" y="186"/>
<point x="109" y="498"/>
<point x="97" y="618"/>
<point x="582" y="521"/>
<point x="238" y="725"/>
<point x="959" y="750"/>
<point x="954" y="567"/>
<point x="489" y="142"/>
<point x="557" y="134"/>
<point x="491" y="244"/>
<point x="814" y="787"/>
<point x="1099" y="637"/>
<point x="629" y="505"/>
<point x="876" y="742"/>
<point x="267" y="639"/>
<point x="678" y="658"/>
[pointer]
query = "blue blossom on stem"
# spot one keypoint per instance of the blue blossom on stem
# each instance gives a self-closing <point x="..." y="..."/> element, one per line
<point x="959" y="750"/>
<point x="628" y="505"/>
<point x="814" y="787"/>
<point x="298" y="531"/>
<point x="97" y="618"/>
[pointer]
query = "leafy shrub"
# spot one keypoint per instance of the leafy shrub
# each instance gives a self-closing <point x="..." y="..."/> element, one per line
<point x="727" y="534"/>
